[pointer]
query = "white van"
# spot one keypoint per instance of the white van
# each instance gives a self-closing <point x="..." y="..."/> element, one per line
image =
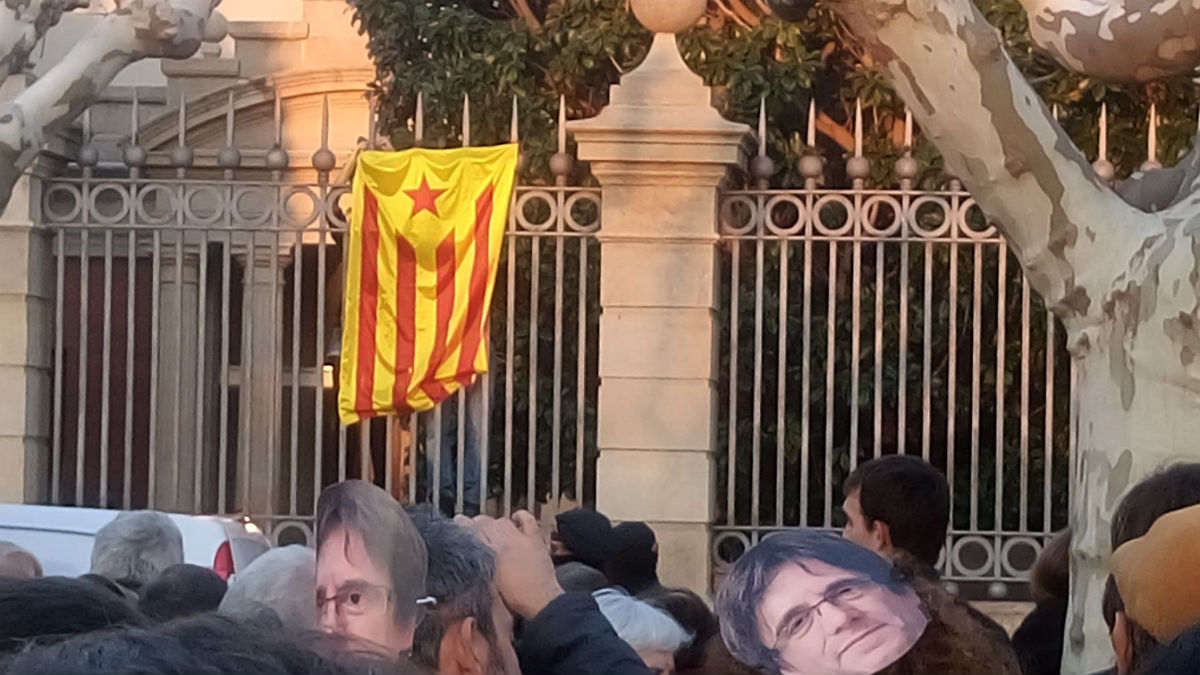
<point x="61" y="537"/>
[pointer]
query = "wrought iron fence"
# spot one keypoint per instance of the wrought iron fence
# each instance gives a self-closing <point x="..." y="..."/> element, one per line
<point x="863" y="322"/>
<point x="197" y="333"/>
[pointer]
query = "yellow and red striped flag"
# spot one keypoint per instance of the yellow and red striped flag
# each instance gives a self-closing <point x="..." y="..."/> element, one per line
<point x="425" y="235"/>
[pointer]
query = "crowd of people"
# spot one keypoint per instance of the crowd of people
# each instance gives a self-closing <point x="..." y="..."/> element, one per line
<point x="395" y="589"/>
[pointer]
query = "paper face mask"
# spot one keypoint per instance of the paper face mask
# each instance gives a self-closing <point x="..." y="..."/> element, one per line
<point x="808" y="602"/>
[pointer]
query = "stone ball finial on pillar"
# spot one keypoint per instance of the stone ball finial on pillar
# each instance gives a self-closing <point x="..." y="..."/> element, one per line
<point x="668" y="16"/>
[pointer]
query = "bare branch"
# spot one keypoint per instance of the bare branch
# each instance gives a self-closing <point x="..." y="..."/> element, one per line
<point x="1066" y="227"/>
<point x="523" y="10"/>
<point x="23" y="24"/>
<point x="138" y="29"/>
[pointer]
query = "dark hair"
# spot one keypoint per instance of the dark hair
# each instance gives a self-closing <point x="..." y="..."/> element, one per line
<point x="1169" y="489"/>
<point x="740" y="595"/>
<point x="1180" y="656"/>
<point x="1051" y="575"/>
<point x="587" y="534"/>
<point x="690" y="611"/>
<point x="1141" y="642"/>
<point x="908" y="494"/>
<point x="461" y="570"/>
<point x="394" y="543"/>
<point x="633" y="564"/>
<point x="208" y="644"/>
<point x="182" y="590"/>
<point x="575" y="576"/>
<point x="50" y="608"/>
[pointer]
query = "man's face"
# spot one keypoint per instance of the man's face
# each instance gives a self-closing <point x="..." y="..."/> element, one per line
<point x="659" y="661"/>
<point x="857" y="530"/>
<point x="355" y="595"/>
<point x="824" y="619"/>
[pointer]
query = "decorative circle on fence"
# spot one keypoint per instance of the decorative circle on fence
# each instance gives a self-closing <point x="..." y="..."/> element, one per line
<point x="956" y="556"/>
<point x="539" y="200"/>
<point x="286" y="209"/>
<point x="793" y="208"/>
<point x="261" y="198"/>
<point x="190" y="208"/>
<point x="287" y="532"/>
<point x="73" y="193"/>
<point x="590" y="203"/>
<point x="833" y="203"/>
<point x="1013" y="569"/>
<point x="94" y="203"/>
<point x="870" y="210"/>
<point x="734" y="210"/>
<point x="982" y="227"/>
<point x="144" y="208"/>
<point x="335" y="211"/>
<point x="917" y="207"/>
<point x="729" y="546"/>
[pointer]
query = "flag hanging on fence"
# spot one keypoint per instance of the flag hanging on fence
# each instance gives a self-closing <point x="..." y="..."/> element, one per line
<point x="425" y="234"/>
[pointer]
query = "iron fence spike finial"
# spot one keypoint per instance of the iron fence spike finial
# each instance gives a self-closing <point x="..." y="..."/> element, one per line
<point x="762" y="126"/>
<point x="1103" y="141"/>
<point x="514" y="131"/>
<point x="908" y="131"/>
<point x="419" y="120"/>
<point x="858" y="125"/>
<point x="371" y="123"/>
<point x="229" y="119"/>
<point x="278" y="119"/>
<point x="466" y="122"/>
<point x="325" y="122"/>
<point x="182" y="136"/>
<point x="562" y="123"/>
<point x="133" y="119"/>
<point x="1152" y="135"/>
<point x="812" y="124"/>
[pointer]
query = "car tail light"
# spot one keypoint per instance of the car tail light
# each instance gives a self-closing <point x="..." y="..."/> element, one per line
<point x="223" y="561"/>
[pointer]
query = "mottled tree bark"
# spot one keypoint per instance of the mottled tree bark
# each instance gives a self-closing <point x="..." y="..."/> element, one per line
<point x="1122" y="40"/>
<point x="137" y="29"/>
<point x="23" y="23"/>
<point x="1125" y="282"/>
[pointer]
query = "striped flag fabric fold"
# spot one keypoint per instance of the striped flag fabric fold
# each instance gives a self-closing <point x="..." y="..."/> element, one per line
<point x="426" y="230"/>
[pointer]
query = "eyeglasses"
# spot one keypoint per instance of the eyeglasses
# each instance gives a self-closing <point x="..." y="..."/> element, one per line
<point x="800" y="620"/>
<point x="355" y="599"/>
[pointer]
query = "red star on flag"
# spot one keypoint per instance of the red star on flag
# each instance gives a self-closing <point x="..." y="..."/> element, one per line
<point x="424" y="198"/>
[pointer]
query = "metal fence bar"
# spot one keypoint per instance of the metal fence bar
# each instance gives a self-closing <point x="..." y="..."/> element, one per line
<point x="130" y="306"/>
<point x="56" y="457"/>
<point x="781" y="382"/>
<point x="731" y="471"/>
<point x="81" y="429"/>
<point x="106" y="365"/>
<point x="201" y="375"/>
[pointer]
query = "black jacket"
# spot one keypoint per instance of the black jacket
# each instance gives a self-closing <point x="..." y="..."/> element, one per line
<point x="571" y="637"/>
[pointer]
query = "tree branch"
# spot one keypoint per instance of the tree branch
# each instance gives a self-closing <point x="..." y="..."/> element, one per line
<point x="523" y="10"/>
<point x="1128" y="41"/>
<point x="138" y="29"/>
<point x="1071" y="233"/>
<point x="23" y="24"/>
<point x="836" y="132"/>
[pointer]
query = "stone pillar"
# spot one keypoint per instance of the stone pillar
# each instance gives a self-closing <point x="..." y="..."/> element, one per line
<point x="175" y="448"/>
<point x="259" y="445"/>
<point x="660" y="150"/>
<point x="26" y="348"/>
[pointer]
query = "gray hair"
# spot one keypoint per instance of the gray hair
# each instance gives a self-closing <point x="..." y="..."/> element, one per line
<point x="461" y="570"/>
<point x="640" y="624"/>
<point x="283" y="580"/>
<point x="136" y="546"/>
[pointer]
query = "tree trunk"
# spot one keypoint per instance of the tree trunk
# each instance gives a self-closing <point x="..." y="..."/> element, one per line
<point x="136" y="30"/>
<point x="1126" y="283"/>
